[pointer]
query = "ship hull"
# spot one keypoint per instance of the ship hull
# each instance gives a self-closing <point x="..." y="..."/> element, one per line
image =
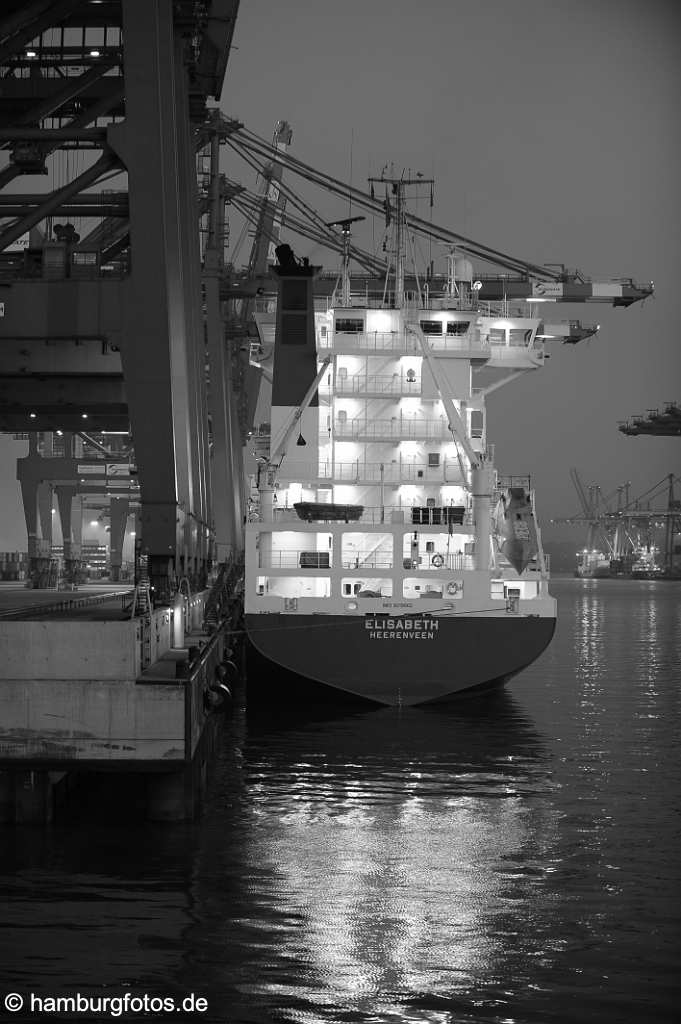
<point x="388" y="661"/>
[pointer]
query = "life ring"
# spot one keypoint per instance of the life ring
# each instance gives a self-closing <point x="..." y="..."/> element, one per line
<point x="437" y="561"/>
<point x="453" y="588"/>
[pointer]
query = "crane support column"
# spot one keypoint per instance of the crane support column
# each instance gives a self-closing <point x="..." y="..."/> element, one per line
<point x="226" y="468"/>
<point x="161" y="343"/>
<point x="119" y="509"/>
<point x="39" y="545"/>
<point x="69" y="511"/>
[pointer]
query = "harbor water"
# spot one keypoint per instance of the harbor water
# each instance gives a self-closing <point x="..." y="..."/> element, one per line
<point x="508" y="859"/>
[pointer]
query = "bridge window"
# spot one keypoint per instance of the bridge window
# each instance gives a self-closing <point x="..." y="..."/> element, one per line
<point x="457" y="327"/>
<point x="348" y="325"/>
<point x="431" y="326"/>
<point x="519" y="337"/>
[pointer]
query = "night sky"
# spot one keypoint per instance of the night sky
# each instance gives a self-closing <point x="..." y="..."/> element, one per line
<point x="552" y="130"/>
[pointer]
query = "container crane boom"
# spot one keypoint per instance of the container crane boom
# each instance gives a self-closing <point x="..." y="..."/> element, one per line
<point x="531" y="282"/>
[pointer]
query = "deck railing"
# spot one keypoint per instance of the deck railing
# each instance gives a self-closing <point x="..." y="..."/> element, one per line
<point x="399" y="428"/>
<point x="375" y="384"/>
<point x="401" y="342"/>
<point x="360" y="561"/>
<point x="409" y="515"/>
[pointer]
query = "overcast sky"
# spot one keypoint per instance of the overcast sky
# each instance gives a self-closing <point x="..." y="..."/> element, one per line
<point x="553" y="132"/>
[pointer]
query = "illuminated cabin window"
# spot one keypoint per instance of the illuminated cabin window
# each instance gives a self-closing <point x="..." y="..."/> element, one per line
<point x="364" y="551"/>
<point x="348" y="325"/>
<point x="457" y="327"/>
<point x="366" y="586"/>
<point x="293" y="586"/>
<point x="501" y="590"/>
<point x="291" y="550"/>
<point x="422" y="587"/>
<point x="431" y="326"/>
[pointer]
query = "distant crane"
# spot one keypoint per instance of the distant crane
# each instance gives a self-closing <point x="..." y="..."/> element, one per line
<point x="619" y="538"/>
<point x="661" y="424"/>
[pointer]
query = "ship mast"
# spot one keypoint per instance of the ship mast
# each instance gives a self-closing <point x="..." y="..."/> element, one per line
<point x="397" y="213"/>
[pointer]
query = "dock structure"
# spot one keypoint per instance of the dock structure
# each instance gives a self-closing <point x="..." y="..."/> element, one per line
<point x="113" y="367"/>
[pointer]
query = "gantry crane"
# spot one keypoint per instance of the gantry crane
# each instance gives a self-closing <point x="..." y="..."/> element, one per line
<point x="660" y="424"/>
<point x="520" y="280"/>
<point x="622" y="540"/>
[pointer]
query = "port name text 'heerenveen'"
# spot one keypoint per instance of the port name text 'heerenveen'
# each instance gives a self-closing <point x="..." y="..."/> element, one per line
<point x="401" y="629"/>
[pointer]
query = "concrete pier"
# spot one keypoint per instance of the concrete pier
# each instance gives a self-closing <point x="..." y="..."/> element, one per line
<point x="76" y="698"/>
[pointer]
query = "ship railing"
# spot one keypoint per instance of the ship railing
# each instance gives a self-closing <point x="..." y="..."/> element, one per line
<point x="439" y="562"/>
<point x="368" y="341"/>
<point x="360" y="560"/>
<point x="383" y="384"/>
<point x="401" y="342"/>
<point x="357" y="471"/>
<point x="397" y="428"/>
<point x="295" y="559"/>
<point x="442" y="516"/>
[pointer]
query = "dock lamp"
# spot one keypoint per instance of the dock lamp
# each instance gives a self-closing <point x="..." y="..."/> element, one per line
<point x="178" y="621"/>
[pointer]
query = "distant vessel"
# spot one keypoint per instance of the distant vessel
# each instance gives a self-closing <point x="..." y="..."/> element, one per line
<point x="638" y="564"/>
<point x="385" y="557"/>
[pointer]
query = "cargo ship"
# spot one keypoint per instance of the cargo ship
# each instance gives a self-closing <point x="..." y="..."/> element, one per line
<point x="386" y="558"/>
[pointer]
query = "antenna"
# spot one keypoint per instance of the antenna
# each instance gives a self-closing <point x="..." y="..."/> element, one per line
<point x="344" y="225"/>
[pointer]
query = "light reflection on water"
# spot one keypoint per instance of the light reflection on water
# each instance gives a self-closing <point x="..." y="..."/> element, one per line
<point x="397" y="862"/>
<point x="509" y="859"/>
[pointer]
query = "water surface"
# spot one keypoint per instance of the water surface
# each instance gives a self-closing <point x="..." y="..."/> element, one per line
<point x="507" y="859"/>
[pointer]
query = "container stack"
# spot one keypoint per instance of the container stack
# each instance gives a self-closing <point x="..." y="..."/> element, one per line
<point x="13" y="566"/>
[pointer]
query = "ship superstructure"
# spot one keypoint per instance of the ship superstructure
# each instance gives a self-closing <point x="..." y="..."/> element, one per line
<point x="385" y="556"/>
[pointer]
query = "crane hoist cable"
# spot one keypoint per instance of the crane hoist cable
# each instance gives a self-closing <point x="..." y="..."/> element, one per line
<point x="294" y="199"/>
<point x="304" y="228"/>
<point x="250" y="211"/>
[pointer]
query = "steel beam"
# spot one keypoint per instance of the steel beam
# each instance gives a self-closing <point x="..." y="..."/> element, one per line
<point x="98" y="109"/>
<point x="32" y="20"/>
<point x="57" y="199"/>
<point x="50" y="135"/>
<point x="71" y="210"/>
<point x="74" y="87"/>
